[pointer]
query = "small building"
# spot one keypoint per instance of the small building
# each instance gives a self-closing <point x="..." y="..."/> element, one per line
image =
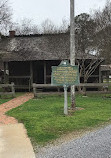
<point x="28" y="59"/>
<point x="106" y="73"/>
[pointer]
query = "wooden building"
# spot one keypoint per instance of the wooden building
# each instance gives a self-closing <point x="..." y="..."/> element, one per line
<point x="106" y="73"/>
<point x="28" y="59"/>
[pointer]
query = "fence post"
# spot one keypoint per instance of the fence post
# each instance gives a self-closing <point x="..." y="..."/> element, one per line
<point x="58" y="89"/>
<point x="13" y="89"/>
<point x="34" y="90"/>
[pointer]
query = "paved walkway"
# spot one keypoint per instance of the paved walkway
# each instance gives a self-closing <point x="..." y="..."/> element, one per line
<point x="10" y="105"/>
<point x="14" y="142"/>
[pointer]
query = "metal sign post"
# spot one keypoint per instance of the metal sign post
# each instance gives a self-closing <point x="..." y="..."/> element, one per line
<point x="65" y="101"/>
<point x="65" y="75"/>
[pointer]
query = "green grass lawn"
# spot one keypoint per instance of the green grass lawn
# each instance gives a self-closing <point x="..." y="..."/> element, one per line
<point x="45" y="121"/>
<point x="109" y="88"/>
<point x="5" y="98"/>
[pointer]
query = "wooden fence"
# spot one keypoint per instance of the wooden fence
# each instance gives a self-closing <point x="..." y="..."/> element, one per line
<point x="21" y="82"/>
<point x="98" y="86"/>
<point x="38" y="87"/>
<point x="7" y="89"/>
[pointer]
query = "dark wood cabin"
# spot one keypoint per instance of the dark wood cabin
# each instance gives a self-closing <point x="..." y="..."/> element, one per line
<point x="28" y="59"/>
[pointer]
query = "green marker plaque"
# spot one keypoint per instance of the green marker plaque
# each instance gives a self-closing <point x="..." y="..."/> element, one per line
<point x="65" y="74"/>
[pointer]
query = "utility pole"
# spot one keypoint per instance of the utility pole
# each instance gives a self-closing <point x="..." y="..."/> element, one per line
<point x="72" y="48"/>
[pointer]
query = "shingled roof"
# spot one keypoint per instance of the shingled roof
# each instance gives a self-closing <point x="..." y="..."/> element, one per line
<point x="37" y="47"/>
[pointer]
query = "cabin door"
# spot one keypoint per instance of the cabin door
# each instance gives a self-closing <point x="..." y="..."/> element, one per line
<point x="38" y="75"/>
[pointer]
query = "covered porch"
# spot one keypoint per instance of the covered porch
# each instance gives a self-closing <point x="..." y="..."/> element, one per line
<point x="25" y="73"/>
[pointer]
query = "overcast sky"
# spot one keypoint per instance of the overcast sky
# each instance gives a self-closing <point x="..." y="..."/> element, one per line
<point x="55" y="10"/>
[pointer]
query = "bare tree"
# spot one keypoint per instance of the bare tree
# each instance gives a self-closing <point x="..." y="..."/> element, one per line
<point x="103" y="31"/>
<point x="5" y="15"/>
<point x="25" y="27"/>
<point x="88" y="64"/>
<point x="64" y="26"/>
<point x="48" y="27"/>
<point x="103" y="17"/>
<point x="85" y="31"/>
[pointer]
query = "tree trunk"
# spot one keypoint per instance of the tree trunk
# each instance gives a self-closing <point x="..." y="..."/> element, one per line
<point x="84" y="88"/>
<point x="73" y="97"/>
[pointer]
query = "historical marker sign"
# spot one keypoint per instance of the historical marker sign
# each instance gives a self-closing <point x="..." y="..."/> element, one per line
<point x="65" y="74"/>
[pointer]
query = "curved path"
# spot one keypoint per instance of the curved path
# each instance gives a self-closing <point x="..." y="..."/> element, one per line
<point x="10" y="105"/>
<point x="14" y="142"/>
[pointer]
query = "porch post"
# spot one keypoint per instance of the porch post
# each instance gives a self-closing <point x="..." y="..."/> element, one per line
<point x="31" y="72"/>
<point x="100" y="74"/>
<point x="107" y="76"/>
<point x="6" y="78"/>
<point x="44" y="72"/>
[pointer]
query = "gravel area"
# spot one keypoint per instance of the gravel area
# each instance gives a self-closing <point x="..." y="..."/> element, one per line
<point x="95" y="144"/>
